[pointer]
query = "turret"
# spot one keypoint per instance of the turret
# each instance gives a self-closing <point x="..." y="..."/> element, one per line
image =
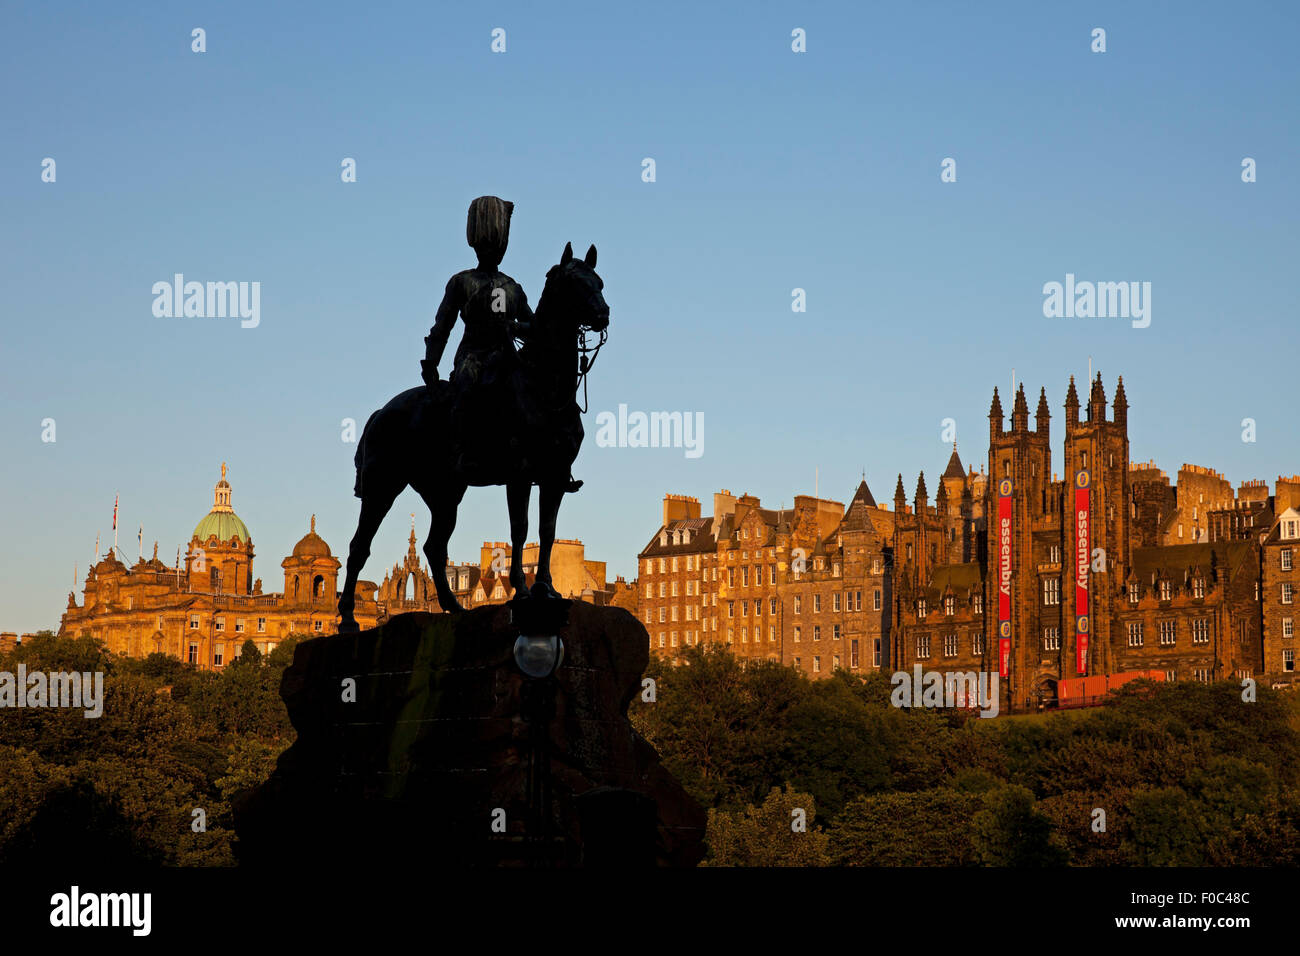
<point x="1071" y="406"/>
<point x="1097" y="402"/>
<point x="995" y="416"/>
<point x="922" y="497"/>
<point x="900" y="497"/>
<point x="1020" y="411"/>
<point x="1121" y="405"/>
<point x="1043" y="417"/>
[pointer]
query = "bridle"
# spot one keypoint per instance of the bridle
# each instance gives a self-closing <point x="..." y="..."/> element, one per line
<point x="586" y="359"/>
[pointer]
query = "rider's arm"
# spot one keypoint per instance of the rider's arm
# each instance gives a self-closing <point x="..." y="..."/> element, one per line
<point x="436" y="341"/>
<point x="522" y="326"/>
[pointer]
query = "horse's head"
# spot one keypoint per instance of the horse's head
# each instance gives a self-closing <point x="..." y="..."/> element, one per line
<point x="578" y="290"/>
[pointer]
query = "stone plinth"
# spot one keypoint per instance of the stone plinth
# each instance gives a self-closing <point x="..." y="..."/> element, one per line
<point x="434" y="747"/>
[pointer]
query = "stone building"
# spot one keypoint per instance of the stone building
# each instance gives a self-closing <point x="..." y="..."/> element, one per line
<point x="204" y="608"/>
<point x="202" y="611"/>
<point x="1042" y="577"/>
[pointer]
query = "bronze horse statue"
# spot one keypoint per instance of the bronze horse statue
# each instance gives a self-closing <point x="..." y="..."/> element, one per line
<point x="405" y="443"/>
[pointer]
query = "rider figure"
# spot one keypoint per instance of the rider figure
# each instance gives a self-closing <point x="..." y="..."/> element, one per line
<point x="495" y="310"/>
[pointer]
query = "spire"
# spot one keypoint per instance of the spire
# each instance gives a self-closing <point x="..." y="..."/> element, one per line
<point x="863" y="494"/>
<point x="995" y="415"/>
<point x="1020" y="411"/>
<point x="1121" y="403"/>
<point x="313" y="524"/>
<point x="1043" y="417"/>
<point x="954" y="469"/>
<point x="1071" y="405"/>
<point x="1097" y="401"/>
<point x="900" y="496"/>
<point x="921" y="495"/>
<point x="155" y="550"/>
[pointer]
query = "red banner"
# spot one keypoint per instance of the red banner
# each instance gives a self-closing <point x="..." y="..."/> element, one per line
<point x="1004" y="577"/>
<point x="1082" y="567"/>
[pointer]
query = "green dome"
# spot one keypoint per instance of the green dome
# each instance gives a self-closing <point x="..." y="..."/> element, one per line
<point x="224" y="524"/>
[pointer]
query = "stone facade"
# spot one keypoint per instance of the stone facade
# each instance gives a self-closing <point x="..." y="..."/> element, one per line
<point x="204" y="608"/>
<point x="1211" y="603"/>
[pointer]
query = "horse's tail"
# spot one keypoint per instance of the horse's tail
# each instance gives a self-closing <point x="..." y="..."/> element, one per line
<point x="359" y="459"/>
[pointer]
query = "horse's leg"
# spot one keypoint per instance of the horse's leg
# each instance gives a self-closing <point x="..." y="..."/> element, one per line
<point x="551" y="491"/>
<point x="518" y="493"/>
<point x="443" y="502"/>
<point x="374" y="505"/>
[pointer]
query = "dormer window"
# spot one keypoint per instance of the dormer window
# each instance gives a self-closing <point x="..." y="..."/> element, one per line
<point x="949" y="605"/>
<point x="1133" y="594"/>
<point x="920" y="609"/>
<point x="1165" y="591"/>
<point x="1198" y="587"/>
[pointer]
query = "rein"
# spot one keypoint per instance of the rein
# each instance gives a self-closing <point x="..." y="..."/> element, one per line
<point x="587" y="358"/>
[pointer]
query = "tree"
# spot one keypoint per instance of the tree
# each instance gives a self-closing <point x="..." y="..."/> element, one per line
<point x="779" y="833"/>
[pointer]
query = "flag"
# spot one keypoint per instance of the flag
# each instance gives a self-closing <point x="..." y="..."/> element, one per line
<point x="140" y="538"/>
<point x="115" y="514"/>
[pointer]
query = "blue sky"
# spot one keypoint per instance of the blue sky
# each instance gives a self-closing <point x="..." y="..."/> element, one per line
<point x="775" y="170"/>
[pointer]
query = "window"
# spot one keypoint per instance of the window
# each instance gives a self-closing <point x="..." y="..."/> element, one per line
<point x="1198" y="587"/>
<point x="1286" y="559"/>
<point x="875" y="652"/>
<point x="1202" y="675"/>
<point x="817" y="665"/>
<point x="744" y="609"/>
<point x="1051" y="638"/>
<point x="977" y="643"/>
<point x="218" y="654"/>
<point x="909" y="551"/>
<point x="221" y="624"/>
<point x="835" y="569"/>
<point x="1054" y="556"/>
<point x="853" y="653"/>
<point x="875" y="565"/>
<point x="194" y="654"/>
<point x="239" y="625"/>
<point x="270" y="646"/>
<point x="674" y="589"/>
<point x="663" y="615"/>
<point x="798" y="604"/>
<point x="663" y="589"/>
<point x="1201" y="631"/>
<point x="1288" y="629"/>
<point x="857" y="600"/>
<point x="817" y="632"/>
<point x="661" y="639"/>
<point x="835" y="631"/>
<point x="744" y="576"/>
<point x="978" y="603"/>
<point x="771" y="574"/>
<point x="835" y="601"/>
<point x="771" y="607"/>
<point x="798" y="632"/>
<point x="194" y="624"/>
<point x="1051" y="590"/>
<point x="731" y="609"/>
<point x="318" y="626"/>
<point x="1286" y="592"/>
<point x="949" y="605"/>
<point x="1288" y="659"/>
<point x="673" y="563"/>
<point x="1170" y="676"/>
<point x="673" y="615"/>
<point x="950" y="645"/>
<point x="920" y="609"/>
<point x="817" y="603"/>
<point x="1168" y="633"/>
<point x="1133" y="594"/>
<point x="875" y="599"/>
<point x="731" y="577"/>
<point x="923" y="647"/>
<point x="1135" y="634"/>
<point x="771" y="635"/>
<point x="835" y="662"/>
<point x="261" y="625"/>
<point x="672" y="636"/>
<point x="1166" y="591"/>
<point x="160" y="622"/>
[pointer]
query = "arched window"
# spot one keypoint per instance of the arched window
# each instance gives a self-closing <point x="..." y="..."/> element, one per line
<point x="318" y="586"/>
